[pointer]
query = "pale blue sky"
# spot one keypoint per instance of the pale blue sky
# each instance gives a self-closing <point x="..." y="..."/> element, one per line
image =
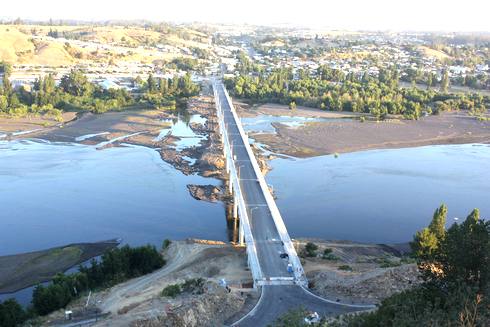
<point x="448" y="15"/>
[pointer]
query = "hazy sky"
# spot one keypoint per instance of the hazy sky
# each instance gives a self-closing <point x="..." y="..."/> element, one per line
<point x="448" y="15"/>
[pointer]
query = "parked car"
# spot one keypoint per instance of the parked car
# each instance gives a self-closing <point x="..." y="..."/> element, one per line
<point x="312" y="318"/>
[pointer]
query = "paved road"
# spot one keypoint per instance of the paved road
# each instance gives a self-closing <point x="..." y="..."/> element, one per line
<point x="267" y="240"/>
<point x="277" y="299"/>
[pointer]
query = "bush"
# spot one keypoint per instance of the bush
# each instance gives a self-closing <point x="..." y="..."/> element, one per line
<point x="345" y="267"/>
<point x="386" y="263"/>
<point x="172" y="290"/>
<point x="194" y="285"/>
<point x="328" y="255"/>
<point x="310" y="249"/>
<point x="166" y="243"/>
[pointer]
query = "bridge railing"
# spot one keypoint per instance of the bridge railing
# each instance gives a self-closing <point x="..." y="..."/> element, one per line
<point x="253" y="259"/>
<point x="276" y="215"/>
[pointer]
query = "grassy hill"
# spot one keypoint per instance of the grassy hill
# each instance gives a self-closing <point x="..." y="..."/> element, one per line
<point x="31" y="44"/>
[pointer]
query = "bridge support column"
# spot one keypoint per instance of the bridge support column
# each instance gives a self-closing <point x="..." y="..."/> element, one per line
<point x="227" y="165"/>
<point x="235" y="206"/>
<point x="241" y="235"/>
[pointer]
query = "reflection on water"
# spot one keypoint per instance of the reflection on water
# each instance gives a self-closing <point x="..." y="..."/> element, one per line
<point x="381" y="195"/>
<point x="55" y="194"/>
<point x="180" y="127"/>
<point x="263" y="123"/>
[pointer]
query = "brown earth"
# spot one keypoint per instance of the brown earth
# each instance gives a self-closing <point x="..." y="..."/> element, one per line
<point x="357" y="273"/>
<point x="139" y="302"/>
<point x="320" y="138"/>
<point x="209" y="193"/>
<point x="36" y="123"/>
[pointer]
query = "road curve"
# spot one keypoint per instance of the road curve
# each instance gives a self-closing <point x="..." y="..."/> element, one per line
<point x="277" y="300"/>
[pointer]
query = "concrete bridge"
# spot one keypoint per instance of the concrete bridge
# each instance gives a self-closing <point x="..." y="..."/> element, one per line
<point x="282" y="281"/>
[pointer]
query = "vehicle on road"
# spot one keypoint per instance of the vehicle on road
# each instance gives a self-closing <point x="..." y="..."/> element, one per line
<point x="312" y="318"/>
<point x="284" y="256"/>
<point x="290" y="268"/>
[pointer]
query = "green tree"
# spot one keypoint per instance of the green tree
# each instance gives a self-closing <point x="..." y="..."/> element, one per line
<point x="152" y="84"/>
<point x="76" y="84"/>
<point x="429" y="81"/>
<point x="445" y="81"/>
<point x="438" y="223"/>
<point x="310" y="249"/>
<point x="11" y="313"/>
<point x="424" y="244"/>
<point x="464" y="255"/>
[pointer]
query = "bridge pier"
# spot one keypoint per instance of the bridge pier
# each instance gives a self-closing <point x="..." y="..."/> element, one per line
<point x="241" y="236"/>
<point x="235" y="207"/>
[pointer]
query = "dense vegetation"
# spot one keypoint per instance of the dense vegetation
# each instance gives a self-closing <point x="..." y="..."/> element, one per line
<point x="331" y="89"/>
<point x="455" y="265"/>
<point x="165" y="92"/>
<point x="114" y="267"/>
<point x="76" y="92"/>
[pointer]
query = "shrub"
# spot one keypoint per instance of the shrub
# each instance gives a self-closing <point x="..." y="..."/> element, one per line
<point x="310" y="249"/>
<point x="328" y="255"/>
<point x="172" y="290"/>
<point x="166" y="243"/>
<point x="345" y="267"/>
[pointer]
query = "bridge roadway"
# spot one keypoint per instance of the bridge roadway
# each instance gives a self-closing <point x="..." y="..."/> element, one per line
<point x="266" y="236"/>
<point x="275" y="299"/>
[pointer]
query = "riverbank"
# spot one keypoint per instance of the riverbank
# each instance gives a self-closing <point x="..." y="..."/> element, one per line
<point x="19" y="271"/>
<point x="350" y="135"/>
<point x="140" y="302"/>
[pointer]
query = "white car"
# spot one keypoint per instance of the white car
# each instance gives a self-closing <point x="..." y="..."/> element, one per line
<point x="312" y="318"/>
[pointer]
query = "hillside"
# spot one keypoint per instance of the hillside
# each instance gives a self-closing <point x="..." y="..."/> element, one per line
<point x="34" y="44"/>
<point x="428" y="52"/>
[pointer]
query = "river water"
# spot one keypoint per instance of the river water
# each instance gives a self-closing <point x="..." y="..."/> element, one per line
<point x="55" y="194"/>
<point x="380" y="195"/>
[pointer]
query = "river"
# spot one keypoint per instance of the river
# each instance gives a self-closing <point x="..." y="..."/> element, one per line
<point x="53" y="194"/>
<point x="58" y="193"/>
<point x="380" y="196"/>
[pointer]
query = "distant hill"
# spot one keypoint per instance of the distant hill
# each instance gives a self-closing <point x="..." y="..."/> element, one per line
<point x="67" y="45"/>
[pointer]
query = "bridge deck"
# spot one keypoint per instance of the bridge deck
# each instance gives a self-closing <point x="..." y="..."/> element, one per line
<point x="267" y="238"/>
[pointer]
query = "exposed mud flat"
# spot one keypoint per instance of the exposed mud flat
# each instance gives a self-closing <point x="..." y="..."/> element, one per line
<point x="26" y="269"/>
<point x="11" y="127"/>
<point x="208" y="154"/>
<point x="321" y="138"/>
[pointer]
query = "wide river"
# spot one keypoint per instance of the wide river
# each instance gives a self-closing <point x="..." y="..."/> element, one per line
<point x="55" y="194"/>
<point x="380" y="195"/>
